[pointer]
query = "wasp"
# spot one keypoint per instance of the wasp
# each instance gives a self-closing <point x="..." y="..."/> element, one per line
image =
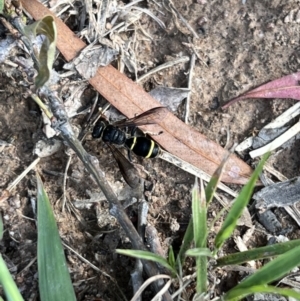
<point x="114" y="135"/>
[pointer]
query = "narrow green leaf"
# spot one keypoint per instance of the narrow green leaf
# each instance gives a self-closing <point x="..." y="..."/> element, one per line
<point x="199" y="252"/>
<point x="6" y="281"/>
<point x="199" y="212"/>
<point x="258" y="253"/>
<point x="1" y="6"/>
<point x="145" y="255"/>
<point x="46" y="27"/>
<point x="239" y="294"/>
<point x="272" y="271"/>
<point x="209" y="193"/>
<point x="54" y="279"/>
<point x="212" y="185"/>
<point x="9" y="286"/>
<point x="186" y="243"/>
<point x="239" y="204"/>
<point x="171" y="258"/>
<point x="1" y="227"/>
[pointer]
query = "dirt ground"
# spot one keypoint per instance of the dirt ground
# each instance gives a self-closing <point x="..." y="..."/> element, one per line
<point x="240" y="46"/>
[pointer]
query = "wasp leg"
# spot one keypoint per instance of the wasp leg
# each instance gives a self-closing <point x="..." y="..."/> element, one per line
<point x="133" y="131"/>
<point x="129" y="155"/>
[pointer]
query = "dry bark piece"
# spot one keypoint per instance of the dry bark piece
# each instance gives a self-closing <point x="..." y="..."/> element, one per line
<point x="278" y="195"/>
<point x="269" y="220"/>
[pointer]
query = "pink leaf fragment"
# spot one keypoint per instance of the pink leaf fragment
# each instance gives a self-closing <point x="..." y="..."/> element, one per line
<point x="284" y="87"/>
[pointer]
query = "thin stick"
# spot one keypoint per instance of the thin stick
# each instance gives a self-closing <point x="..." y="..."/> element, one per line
<point x="187" y="105"/>
<point x="65" y="181"/>
<point x="192" y="46"/>
<point x="193" y="170"/>
<point x="148" y="282"/>
<point x="169" y="64"/>
<point x="95" y="268"/>
<point x="291" y="132"/>
<point x="184" y="21"/>
<point x="101" y="15"/>
<point x="23" y="174"/>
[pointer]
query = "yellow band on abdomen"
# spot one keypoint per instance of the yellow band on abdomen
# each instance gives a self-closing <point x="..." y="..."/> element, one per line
<point x="133" y="143"/>
<point x="151" y="149"/>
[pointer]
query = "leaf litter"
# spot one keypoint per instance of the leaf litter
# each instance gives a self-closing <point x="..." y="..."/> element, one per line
<point x="206" y="86"/>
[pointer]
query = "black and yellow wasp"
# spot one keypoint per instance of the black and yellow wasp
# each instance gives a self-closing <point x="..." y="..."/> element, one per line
<point x="112" y="134"/>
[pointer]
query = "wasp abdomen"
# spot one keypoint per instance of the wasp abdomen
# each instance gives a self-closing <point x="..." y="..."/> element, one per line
<point x="143" y="147"/>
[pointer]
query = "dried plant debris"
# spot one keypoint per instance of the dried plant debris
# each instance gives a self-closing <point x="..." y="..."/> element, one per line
<point x="47" y="148"/>
<point x="187" y="28"/>
<point x="6" y="46"/>
<point x="170" y="97"/>
<point x="266" y="297"/>
<point x="111" y="19"/>
<point x="278" y="195"/>
<point x="269" y="220"/>
<point x="167" y="64"/>
<point x="90" y="59"/>
<point x="275" y="134"/>
<point x="72" y="93"/>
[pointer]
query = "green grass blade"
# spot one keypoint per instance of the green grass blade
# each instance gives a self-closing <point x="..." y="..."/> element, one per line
<point x="212" y="185"/>
<point x="239" y="204"/>
<point x="54" y="279"/>
<point x="199" y="212"/>
<point x="272" y="271"/>
<point x="1" y="228"/>
<point x="258" y="253"/>
<point x="199" y="252"/>
<point x="209" y="193"/>
<point x="171" y="258"/>
<point x="242" y="293"/>
<point x="1" y="6"/>
<point x="6" y="281"/>
<point x="145" y="255"/>
<point x="186" y="243"/>
<point x="9" y="286"/>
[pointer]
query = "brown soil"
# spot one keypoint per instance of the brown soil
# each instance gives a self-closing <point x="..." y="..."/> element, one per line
<point x="241" y="46"/>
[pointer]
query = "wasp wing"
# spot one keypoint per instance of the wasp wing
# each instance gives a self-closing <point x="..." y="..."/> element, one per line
<point x="149" y="117"/>
<point x="129" y="172"/>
